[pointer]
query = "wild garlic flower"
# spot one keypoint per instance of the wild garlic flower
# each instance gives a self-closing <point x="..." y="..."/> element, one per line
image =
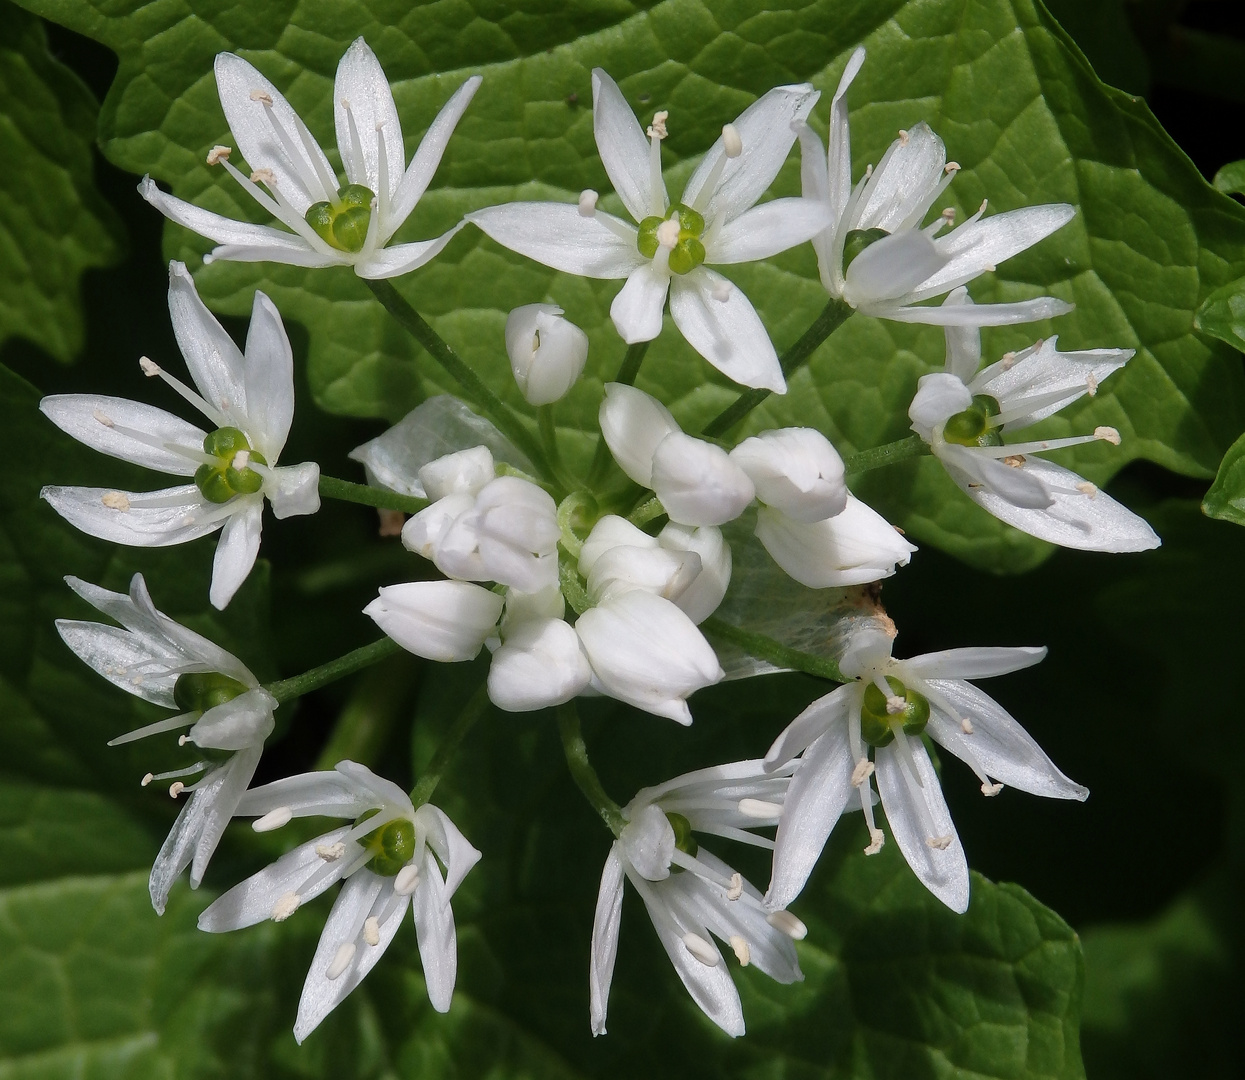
<point x="670" y="246"/>
<point x="547" y="352"/>
<point x="964" y="414"/>
<point x="330" y="224"/>
<point x="877" y="255"/>
<point x="390" y="858"/>
<point x="227" y="712"/>
<point x="886" y="709"/>
<point x="249" y="400"/>
<point x="690" y="894"/>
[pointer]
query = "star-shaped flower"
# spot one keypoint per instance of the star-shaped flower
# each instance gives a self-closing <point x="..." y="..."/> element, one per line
<point x="964" y="414"/>
<point x="879" y="257"/>
<point x="330" y="225"/>
<point x="390" y="858"/>
<point x="227" y="712"/>
<point x="249" y="399"/>
<point x="887" y="709"/>
<point x="716" y="222"/>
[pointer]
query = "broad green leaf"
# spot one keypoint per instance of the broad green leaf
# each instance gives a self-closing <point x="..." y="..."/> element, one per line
<point x="1226" y="497"/>
<point x="53" y="223"/>
<point x="1222" y="314"/>
<point x="1231" y="178"/>
<point x="1016" y="102"/>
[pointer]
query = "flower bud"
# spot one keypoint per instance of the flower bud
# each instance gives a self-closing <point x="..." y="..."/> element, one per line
<point x="850" y="548"/>
<point x="653" y="569"/>
<point x="701" y="598"/>
<point x="438" y="620"/>
<point x="546" y="603"/>
<point x="610" y="532"/>
<point x="632" y="424"/>
<point x="424" y="532"/>
<point x="697" y="482"/>
<point x="646" y="652"/>
<point x="795" y="470"/>
<point x="461" y="473"/>
<point x="541" y="663"/>
<point x="547" y="352"/>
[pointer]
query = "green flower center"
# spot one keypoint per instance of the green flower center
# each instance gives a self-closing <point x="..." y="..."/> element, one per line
<point x="689" y="251"/>
<point x="857" y="240"/>
<point x="391" y="846"/>
<point x="877" y="726"/>
<point x="343" y="224"/>
<point x="199" y="691"/>
<point x="684" y="841"/>
<point x="228" y="476"/>
<point x="972" y="426"/>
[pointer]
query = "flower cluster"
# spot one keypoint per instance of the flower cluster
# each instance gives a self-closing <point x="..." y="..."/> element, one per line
<point x="606" y="584"/>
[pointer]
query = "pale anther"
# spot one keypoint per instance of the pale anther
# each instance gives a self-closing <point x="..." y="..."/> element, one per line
<point x="182" y="740"/>
<point x="990" y="790"/>
<point x="115" y="500"/>
<point x="966" y="726"/>
<point x="668" y="233"/>
<point x="1086" y="488"/>
<point x="722" y="291"/>
<point x="588" y="202"/>
<point x="1014" y="460"/>
<point x="341" y="960"/>
<point x="285" y="907"/>
<point x="149" y="366"/>
<point x="894" y="704"/>
<point x="702" y="950"/>
<point x="274" y="819"/>
<point x="241" y="459"/>
<point x="786" y="923"/>
<point x="948" y="215"/>
<point x="862" y="771"/>
<point x="264" y="176"/>
<point x="1009" y="358"/>
<point x="1091" y="385"/>
<point x="736" y="889"/>
<point x="657" y="130"/>
<point x="261" y="95"/>
<point x="331" y="852"/>
<point x="732" y="144"/>
<point x="218" y="154"/>
<point x="176" y="788"/>
<point x="146" y="779"/>
<point x="742" y="953"/>
<point x="903" y="137"/>
<point x="876" y="839"/>
<point x="759" y="808"/>
<point x="1107" y="434"/>
<point x="103" y="418"/>
<point x="938" y="843"/>
<point x="951" y="167"/>
<point x="371" y="930"/>
<point x="407" y="880"/>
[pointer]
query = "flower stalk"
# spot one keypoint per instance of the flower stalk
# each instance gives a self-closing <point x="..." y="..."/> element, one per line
<point x="766" y="648"/>
<point x="888" y="454"/>
<point x="475" y="708"/>
<point x="365" y="656"/>
<point x="585" y="776"/>
<point x="348" y="491"/>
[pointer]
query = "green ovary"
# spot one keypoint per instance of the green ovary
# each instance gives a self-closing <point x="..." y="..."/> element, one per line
<point x="689" y="252"/>
<point x="392" y="846"/>
<point x="200" y="691"/>
<point x="877" y="726"/>
<point x="343" y="224"/>
<point x="972" y="426"/>
<point x="221" y="480"/>
<point x="684" y="841"/>
<point x="857" y="240"/>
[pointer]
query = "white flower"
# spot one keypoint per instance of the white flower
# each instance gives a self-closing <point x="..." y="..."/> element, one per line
<point x="249" y="399"/>
<point x="876" y="255"/>
<point x="691" y="894"/>
<point x="329" y="225"/>
<point x="217" y="698"/>
<point x="963" y="414"/>
<point x="547" y="352"/>
<point x="633" y="424"/>
<point x="390" y="857"/>
<point x="888" y="707"/>
<point x="716" y="222"/>
<point x="795" y="470"/>
<point x="438" y="620"/>
<point x="855" y="546"/>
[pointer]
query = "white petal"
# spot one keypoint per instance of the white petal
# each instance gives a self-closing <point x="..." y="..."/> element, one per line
<point x="904" y="183"/>
<point x="944" y="872"/>
<point x="269" y="252"/>
<point x="820" y="717"/>
<point x="215" y="362"/>
<point x="963" y="342"/>
<point x="77" y="415"/>
<point x="428" y="154"/>
<point x="795" y="470"/>
<point x="766" y="129"/>
<point x="557" y="235"/>
<point x="767" y="229"/>
<point x="816" y="798"/>
<point x="361" y="83"/>
<point x="434" y="928"/>
<point x="974" y="663"/>
<point x="540" y="664"/>
<point x="697" y="482"/>
<point x="403" y="258"/>
<point x="605" y="926"/>
<point x="633" y="424"/>
<point x="839" y="154"/>
<point x="1023" y="311"/>
<point x="252" y="130"/>
<point x="647" y="842"/>
<point x="891" y="269"/>
<point x="636" y="310"/>
<point x="140" y="525"/>
<point x="701" y="598"/>
<point x="815" y="184"/>
<point x="268" y="376"/>
<point x="238" y="724"/>
<point x="728" y="333"/>
<point x="237" y="549"/>
<point x="325" y="793"/>
<point x="438" y="620"/>
<point x="121" y="657"/>
<point x="939" y="396"/>
<point x="293" y="490"/>
<point x="451" y="847"/>
<point x="623" y="148"/>
<point x="982" y="476"/>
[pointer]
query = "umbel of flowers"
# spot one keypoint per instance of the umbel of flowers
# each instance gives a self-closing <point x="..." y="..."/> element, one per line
<point x="607" y="583"/>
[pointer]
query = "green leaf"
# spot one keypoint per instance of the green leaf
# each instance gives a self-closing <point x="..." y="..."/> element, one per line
<point x="1226" y="497"/>
<point x="1231" y="178"/>
<point x="1222" y="314"/>
<point x="53" y="223"/>
<point x="1015" y="100"/>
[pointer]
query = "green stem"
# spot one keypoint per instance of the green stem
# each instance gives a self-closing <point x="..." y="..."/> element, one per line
<point x="889" y="454"/>
<point x="646" y="512"/>
<point x="626" y="375"/>
<point x="572" y="588"/>
<point x="832" y="316"/>
<point x="347" y="491"/>
<point x="585" y="776"/>
<point x="475" y="708"/>
<point x="766" y="648"/>
<point x="287" y="689"/>
<point x="493" y="406"/>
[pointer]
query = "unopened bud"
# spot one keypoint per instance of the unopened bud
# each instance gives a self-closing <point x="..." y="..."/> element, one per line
<point x="547" y="352"/>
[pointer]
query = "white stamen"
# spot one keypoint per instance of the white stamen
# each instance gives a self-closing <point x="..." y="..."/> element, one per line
<point x="149" y="366"/>
<point x="657" y="129"/>
<point x="341" y="960"/>
<point x="939" y="843"/>
<point x="371" y="930"/>
<point x="588" y="202"/>
<point x="786" y="923"/>
<point x="274" y="819"/>
<point x="991" y="790"/>
<point x="264" y="176"/>
<point x="876" y="839"/>
<point x="731" y="142"/>
<point x="407" y="880"/>
<point x="966" y="726"/>
<point x="285" y="907"/>
<point x="115" y="500"/>
<point x="758" y="808"/>
<point x="1086" y="488"/>
<point x="218" y="154"/>
<point x="701" y="949"/>
<point x="742" y="953"/>
<point x="176" y="788"/>
<point x="182" y="740"/>
<point x="331" y="852"/>
<point x="1091" y="385"/>
<point x="862" y="771"/>
<point x="722" y="291"/>
<point x="1107" y="434"/>
<point x="261" y="95"/>
<point x="146" y="779"/>
<point x="736" y="889"/>
<point x="668" y="233"/>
